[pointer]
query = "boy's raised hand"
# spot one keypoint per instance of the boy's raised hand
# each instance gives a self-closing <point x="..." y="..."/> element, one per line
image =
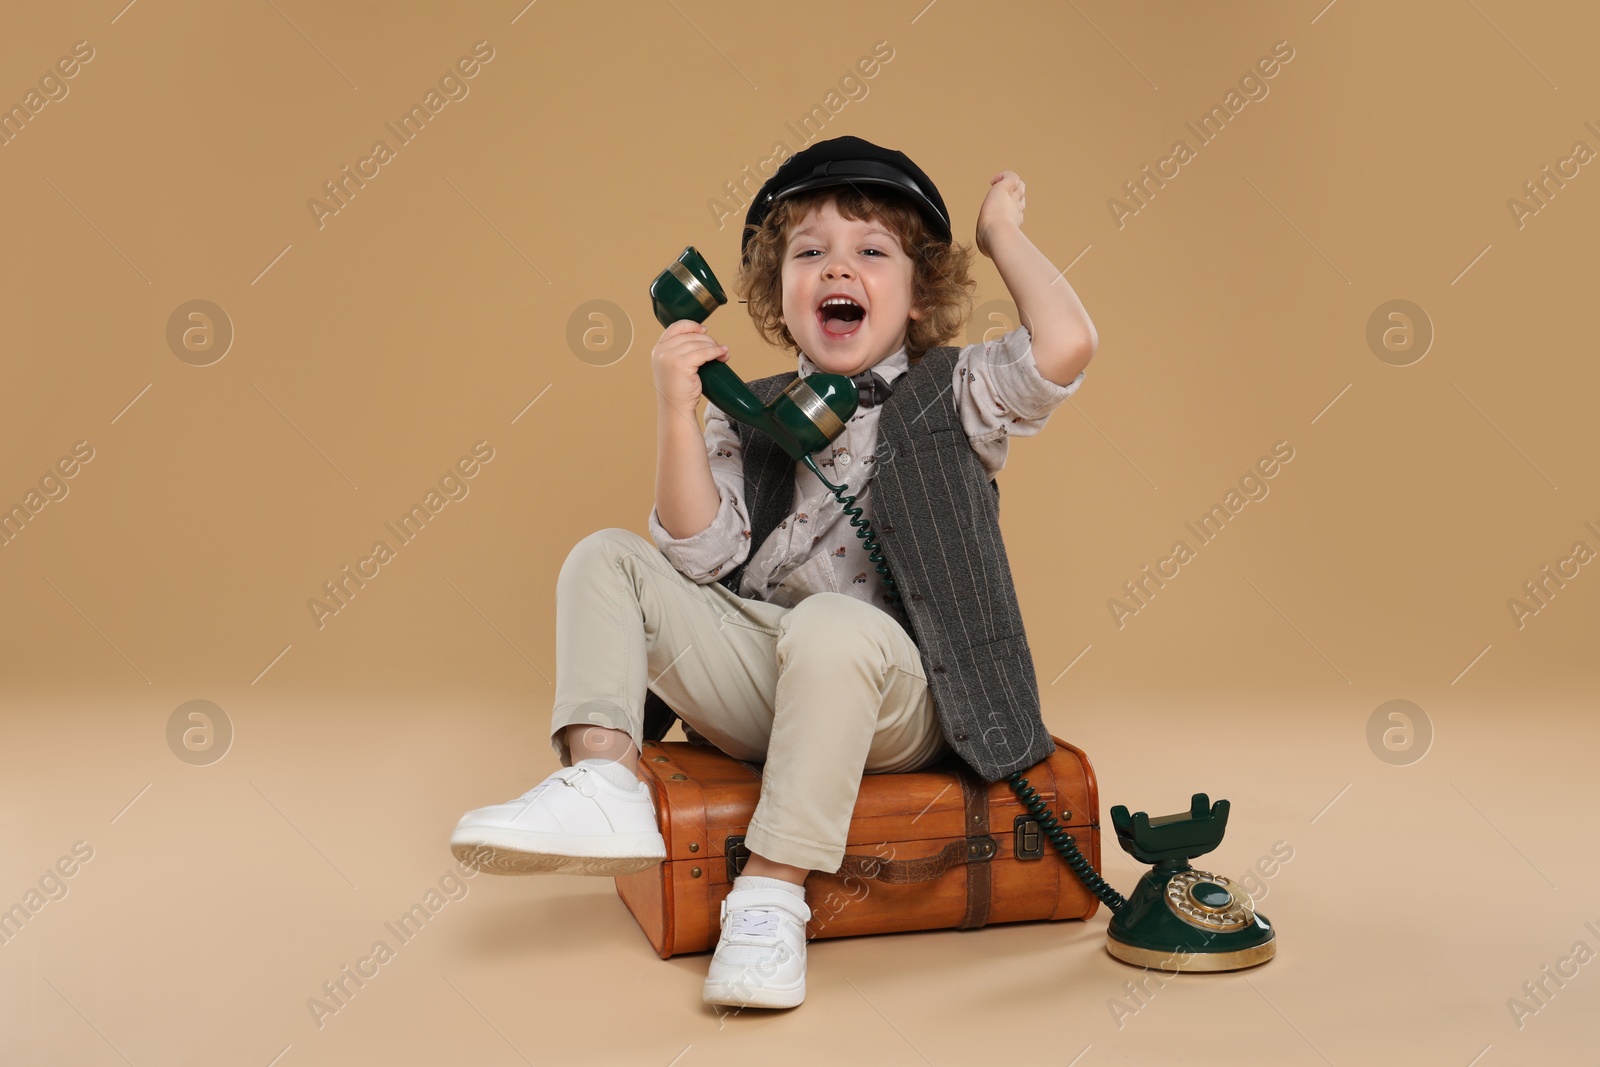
<point x="1002" y="207"/>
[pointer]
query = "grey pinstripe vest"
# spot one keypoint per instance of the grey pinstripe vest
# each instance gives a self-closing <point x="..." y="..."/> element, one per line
<point x="936" y="516"/>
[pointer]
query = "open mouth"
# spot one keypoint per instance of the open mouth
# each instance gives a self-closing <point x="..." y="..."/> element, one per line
<point x="840" y="317"/>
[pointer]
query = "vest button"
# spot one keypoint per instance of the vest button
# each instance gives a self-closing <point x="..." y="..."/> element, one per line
<point x="939" y="667"/>
<point x="887" y="528"/>
<point x="959" y="737"/>
<point x="916" y="596"/>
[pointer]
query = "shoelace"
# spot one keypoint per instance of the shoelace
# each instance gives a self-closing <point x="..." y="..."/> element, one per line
<point x="753" y="922"/>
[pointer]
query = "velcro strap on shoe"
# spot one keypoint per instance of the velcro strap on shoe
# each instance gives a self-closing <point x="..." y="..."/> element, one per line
<point x="766" y="898"/>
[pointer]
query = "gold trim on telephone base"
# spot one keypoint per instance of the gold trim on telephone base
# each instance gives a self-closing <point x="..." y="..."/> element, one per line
<point x="1198" y="961"/>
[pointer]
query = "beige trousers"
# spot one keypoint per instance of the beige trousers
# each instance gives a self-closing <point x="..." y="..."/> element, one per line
<point x="819" y="693"/>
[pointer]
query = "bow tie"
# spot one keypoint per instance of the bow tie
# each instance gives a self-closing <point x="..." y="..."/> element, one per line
<point x="871" y="388"/>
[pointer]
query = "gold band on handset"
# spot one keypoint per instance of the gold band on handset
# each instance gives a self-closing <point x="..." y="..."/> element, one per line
<point x="695" y="287"/>
<point x="812" y="407"/>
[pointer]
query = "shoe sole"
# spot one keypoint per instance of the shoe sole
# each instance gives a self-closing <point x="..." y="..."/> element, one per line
<point x="738" y="996"/>
<point x="508" y="852"/>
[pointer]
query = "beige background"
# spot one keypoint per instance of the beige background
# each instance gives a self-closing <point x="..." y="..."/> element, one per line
<point x="435" y="307"/>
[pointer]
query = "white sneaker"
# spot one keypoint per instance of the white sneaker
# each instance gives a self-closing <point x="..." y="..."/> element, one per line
<point x="594" y="817"/>
<point x="760" y="959"/>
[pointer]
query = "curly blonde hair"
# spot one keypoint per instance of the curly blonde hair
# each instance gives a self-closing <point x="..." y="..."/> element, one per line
<point x="940" y="285"/>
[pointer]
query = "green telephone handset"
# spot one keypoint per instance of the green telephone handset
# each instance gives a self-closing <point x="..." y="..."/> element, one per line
<point x="1178" y="918"/>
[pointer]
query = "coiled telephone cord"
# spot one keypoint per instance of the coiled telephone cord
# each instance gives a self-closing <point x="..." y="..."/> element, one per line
<point x="863" y="529"/>
<point x="1064" y="844"/>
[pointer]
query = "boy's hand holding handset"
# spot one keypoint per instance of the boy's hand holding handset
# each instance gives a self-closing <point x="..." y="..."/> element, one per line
<point x="676" y="358"/>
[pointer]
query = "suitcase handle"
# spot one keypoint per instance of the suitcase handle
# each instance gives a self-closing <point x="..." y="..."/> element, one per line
<point x="924" y="869"/>
<point x="978" y="848"/>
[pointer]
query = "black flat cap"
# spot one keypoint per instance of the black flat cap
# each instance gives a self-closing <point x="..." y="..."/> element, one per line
<point x="850" y="161"/>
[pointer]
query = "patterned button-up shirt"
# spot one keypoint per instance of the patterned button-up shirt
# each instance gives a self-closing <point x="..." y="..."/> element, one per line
<point x="998" y="394"/>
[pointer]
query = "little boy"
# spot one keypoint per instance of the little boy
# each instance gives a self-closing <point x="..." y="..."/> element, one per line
<point x="754" y="612"/>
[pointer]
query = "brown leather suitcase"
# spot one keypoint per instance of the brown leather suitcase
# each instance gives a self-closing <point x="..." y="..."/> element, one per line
<point x="927" y="850"/>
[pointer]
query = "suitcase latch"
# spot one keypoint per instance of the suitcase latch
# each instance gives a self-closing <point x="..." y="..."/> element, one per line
<point x="734" y="852"/>
<point x="1029" y="844"/>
